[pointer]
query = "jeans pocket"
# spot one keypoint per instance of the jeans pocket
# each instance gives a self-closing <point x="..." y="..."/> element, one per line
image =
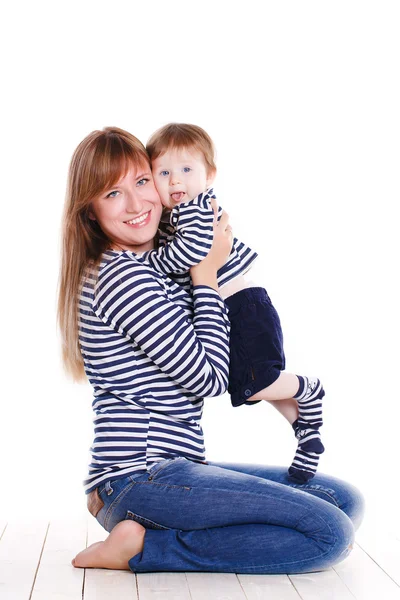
<point x="94" y="502"/>
<point x="147" y="523"/>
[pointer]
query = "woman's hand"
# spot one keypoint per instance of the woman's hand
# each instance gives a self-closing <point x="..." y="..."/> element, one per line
<point x="205" y="272"/>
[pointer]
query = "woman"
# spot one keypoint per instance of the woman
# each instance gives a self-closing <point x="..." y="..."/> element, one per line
<point x="152" y="352"/>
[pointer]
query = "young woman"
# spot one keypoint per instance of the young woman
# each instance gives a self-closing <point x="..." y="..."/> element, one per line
<point x="152" y="351"/>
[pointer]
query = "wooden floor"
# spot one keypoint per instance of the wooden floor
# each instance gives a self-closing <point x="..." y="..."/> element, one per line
<point x="35" y="564"/>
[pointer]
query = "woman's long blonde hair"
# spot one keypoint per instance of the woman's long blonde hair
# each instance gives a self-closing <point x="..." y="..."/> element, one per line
<point x="99" y="161"/>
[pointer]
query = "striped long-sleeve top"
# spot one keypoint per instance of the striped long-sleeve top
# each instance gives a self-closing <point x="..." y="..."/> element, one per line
<point x="151" y="352"/>
<point x="185" y="238"/>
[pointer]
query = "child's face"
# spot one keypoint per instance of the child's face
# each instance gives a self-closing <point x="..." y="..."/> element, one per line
<point x="180" y="176"/>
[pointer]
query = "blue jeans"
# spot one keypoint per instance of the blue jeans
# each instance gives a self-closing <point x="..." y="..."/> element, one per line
<point x="236" y="518"/>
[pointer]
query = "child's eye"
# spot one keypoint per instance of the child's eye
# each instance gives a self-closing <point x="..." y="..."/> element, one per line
<point x="186" y="169"/>
<point x="112" y="194"/>
<point x="142" y="181"/>
<point x="164" y="173"/>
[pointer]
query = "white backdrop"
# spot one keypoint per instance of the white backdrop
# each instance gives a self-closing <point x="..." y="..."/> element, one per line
<point x="302" y="100"/>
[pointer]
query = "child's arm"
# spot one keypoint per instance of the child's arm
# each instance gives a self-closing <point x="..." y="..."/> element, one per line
<point x="192" y="226"/>
<point x="240" y="259"/>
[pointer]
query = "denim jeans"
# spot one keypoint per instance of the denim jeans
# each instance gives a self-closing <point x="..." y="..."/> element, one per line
<point x="236" y="518"/>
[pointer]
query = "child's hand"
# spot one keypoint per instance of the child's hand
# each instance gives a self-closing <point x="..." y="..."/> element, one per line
<point x="214" y="206"/>
<point x="222" y="244"/>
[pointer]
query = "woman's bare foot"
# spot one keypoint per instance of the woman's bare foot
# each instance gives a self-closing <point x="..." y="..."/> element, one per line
<point x="125" y="541"/>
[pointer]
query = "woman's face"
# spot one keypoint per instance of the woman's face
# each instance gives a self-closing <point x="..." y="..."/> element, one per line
<point x="130" y="211"/>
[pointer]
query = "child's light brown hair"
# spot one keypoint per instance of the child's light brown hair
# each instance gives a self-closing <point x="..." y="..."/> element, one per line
<point x="182" y="136"/>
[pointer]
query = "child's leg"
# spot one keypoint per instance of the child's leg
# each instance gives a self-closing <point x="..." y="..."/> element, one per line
<point x="257" y="372"/>
<point x="288" y="408"/>
<point x="308" y="394"/>
<point x="303" y="410"/>
<point x="286" y="386"/>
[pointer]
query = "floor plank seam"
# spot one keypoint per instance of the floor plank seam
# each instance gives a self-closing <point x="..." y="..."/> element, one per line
<point x="137" y="585"/>
<point x="83" y="583"/>
<point x="344" y="583"/>
<point x="295" y="588"/>
<point x="84" y="570"/>
<point x="188" y="586"/>
<point x="242" y="588"/>
<point x="378" y="565"/>
<point x="342" y="580"/>
<point x="40" y="558"/>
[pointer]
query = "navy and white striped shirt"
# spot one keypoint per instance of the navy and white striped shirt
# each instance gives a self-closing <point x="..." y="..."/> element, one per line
<point x="186" y="232"/>
<point x="151" y="352"/>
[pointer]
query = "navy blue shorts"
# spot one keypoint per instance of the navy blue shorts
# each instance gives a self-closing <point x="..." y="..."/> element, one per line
<point x="256" y="346"/>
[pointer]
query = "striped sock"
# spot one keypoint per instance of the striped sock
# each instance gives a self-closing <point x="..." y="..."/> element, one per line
<point x="305" y="463"/>
<point x="304" y="466"/>
<point x="309" y="400"/>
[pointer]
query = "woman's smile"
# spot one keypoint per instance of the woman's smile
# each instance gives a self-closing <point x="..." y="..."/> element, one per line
<point x="140" y="221"/>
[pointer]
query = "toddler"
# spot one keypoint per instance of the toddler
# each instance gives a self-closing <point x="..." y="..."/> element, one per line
<point x="182" y="158"/>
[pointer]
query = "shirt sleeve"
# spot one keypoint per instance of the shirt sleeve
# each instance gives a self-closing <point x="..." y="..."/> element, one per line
<point x="240" y="260"/>
<point x="131" y="299"/>
<point x="189" y="240"/>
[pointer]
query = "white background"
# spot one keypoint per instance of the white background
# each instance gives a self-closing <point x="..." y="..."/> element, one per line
<point x="302" y="100"/>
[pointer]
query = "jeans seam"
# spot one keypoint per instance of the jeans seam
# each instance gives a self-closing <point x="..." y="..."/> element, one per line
<point x="143" y="521"/>
<point x="310" y="512"/>
<point x="110" y="509"/>
<point x="329" y="496"/>
<point x="321" y="490"/>
<point x="181" y="487"/>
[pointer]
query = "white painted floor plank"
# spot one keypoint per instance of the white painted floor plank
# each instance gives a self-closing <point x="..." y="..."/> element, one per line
<point x="163" y="586"/>
<point x="20" y="549"/>
<point x="104" y="584"/>
<point x="365" y="579"/>
<point x="258" y="587"/>
<point x="384" y="550"/>
<point x="215" y="586"/>
<point x="325" y="585"/>
<point x="37" y="555"/>
<point x="56" y="578"/>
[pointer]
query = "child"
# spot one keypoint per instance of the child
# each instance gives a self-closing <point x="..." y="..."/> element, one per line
<point x="183" y="167"/>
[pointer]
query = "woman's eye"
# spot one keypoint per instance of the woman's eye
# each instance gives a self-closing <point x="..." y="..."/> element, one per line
<point x="142" y="181"/>
<point x="186" y="169"/>
<point x="112" y="194"/>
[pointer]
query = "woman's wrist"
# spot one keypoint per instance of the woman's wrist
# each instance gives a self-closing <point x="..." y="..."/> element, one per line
<point x="204" y="277"/>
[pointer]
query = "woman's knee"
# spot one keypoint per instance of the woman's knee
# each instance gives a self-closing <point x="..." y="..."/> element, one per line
<point x="350" y="501"/>
<point x="341" y="494"/>
<point x="331" y="530"/>
<point x="355" y="506"/>
<point x="342" y="536"/>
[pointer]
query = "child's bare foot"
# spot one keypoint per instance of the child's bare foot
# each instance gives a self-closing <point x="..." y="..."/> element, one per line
<point x="125" y="541"/>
